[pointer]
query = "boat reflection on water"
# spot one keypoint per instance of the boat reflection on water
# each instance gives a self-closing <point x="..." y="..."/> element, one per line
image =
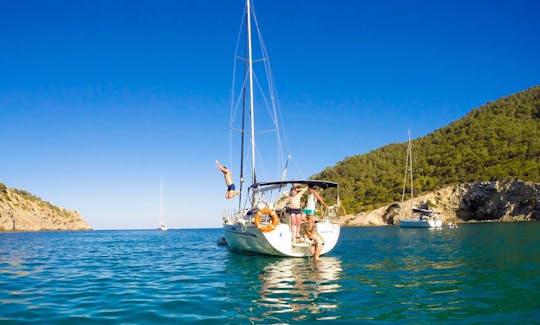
<point x="300" y="285"/>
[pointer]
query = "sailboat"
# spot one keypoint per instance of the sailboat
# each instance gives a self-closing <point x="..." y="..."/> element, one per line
<point x="261" y="222"/>
<point x="420" y="218"/>
<point x="162" y="225"/>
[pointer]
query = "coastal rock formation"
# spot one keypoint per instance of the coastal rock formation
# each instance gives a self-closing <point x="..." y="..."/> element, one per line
<point x="481" y="201"/>
<point x="22" y="211"/>
<point x="507" y="201"/>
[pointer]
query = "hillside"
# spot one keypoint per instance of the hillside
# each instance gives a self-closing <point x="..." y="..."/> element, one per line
<point x="498" y="141"/>
<point x="22" y="211"/>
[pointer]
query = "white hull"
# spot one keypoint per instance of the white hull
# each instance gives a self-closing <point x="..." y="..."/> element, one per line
<point x="417" y="223"/>
<point x="247" y="238"/>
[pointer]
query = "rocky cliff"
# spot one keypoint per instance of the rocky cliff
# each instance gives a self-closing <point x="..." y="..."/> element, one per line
<point x="481" y="201"/>
<point x="22" y="211"/>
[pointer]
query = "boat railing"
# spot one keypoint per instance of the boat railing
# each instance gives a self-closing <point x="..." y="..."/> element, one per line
<point x="232" y="216"/>
<point x="244" y="216"/>
<point x="330" y="213"/>
<point x="228" y="216"/>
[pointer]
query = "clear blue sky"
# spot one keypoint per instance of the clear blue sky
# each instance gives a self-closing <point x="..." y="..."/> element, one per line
<point x="100" y="99"/>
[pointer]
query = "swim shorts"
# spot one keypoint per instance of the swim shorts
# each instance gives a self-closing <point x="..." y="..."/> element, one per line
<point x="295" y="211"/>
<point x="231" y="187"/>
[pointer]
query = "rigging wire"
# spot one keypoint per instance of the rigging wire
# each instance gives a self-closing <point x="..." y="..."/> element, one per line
<point x="266" y="94"/>
<point x="273" y="96"/>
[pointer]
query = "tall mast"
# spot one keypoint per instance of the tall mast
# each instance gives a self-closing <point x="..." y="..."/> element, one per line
<point x="410" y="164"/>
<point x="408" y="167"/>
<point x="250" y="71"/>
<point x="161" y="204"/>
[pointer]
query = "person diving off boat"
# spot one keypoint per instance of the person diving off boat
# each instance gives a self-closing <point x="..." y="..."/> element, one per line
<point x="231" y="188"/>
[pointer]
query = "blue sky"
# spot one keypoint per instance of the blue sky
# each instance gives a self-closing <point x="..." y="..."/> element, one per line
<point x="100" y="99"/>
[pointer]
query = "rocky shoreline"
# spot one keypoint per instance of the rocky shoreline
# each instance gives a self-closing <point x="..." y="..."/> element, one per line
<point x="22" y="211"/>
<point x="504" y="201"/>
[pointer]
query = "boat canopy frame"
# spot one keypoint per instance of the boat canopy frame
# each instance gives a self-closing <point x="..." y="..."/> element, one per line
<point x="425" y="212"/>
<point x="272" y="185"/>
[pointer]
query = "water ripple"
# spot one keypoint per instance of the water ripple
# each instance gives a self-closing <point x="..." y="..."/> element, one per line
<point x="473" y="274"/>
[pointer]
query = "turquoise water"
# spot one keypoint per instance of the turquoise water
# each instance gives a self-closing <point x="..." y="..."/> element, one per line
<point x="476" y="274"/>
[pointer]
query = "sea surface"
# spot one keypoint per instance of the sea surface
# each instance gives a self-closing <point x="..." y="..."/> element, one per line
<point x="486" y="273"/>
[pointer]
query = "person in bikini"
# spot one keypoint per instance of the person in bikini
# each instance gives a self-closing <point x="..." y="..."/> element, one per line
<point x="231" y="188"/>
<point x="295" y="210"/>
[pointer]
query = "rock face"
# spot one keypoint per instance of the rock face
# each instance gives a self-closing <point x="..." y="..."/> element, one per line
<point x="482" y="201"/>
<point x="507" y="201"/>
<point x="21" y="211"/>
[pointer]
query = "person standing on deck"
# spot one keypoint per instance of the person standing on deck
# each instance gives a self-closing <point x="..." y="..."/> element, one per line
<point x="295" y="210"/>
<point x="312" y="199"/>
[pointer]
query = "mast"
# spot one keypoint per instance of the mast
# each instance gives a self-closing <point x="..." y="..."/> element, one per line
<point x="250" y="72"/>
<point x="410" y="164"/>
<point x="161" y="204"/>
<point x="408" y="168"/>
<point x="242" y="133"/>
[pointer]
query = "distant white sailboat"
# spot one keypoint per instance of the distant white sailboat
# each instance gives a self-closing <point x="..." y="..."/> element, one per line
<point x="162" y="225"/>
<point x="425" y="218"/>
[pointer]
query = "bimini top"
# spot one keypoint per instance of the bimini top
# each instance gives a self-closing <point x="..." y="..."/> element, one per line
<point x="316" y="183"/>
<point x="424" y="211"/>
